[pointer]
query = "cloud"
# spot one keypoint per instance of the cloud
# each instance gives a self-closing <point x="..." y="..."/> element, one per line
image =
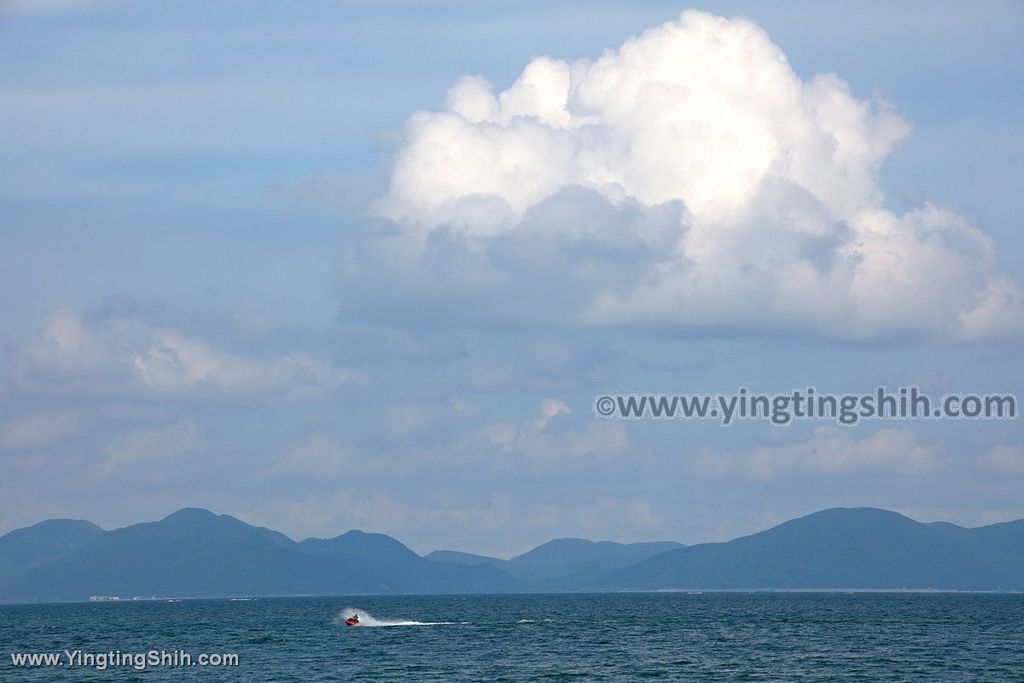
<point x="530" y="448"/>
<point x="688" y="179"/>
<point x="550" y="408"/>
<point x="542" y="443"/>
<point x="46" y="6"/>
<point x="121" y="356"/>
<point x="37" y="430"/>
<point x="829" y="450"/>
<point x="367" y="344"/>
<point x="319" y="455"/>
<point x="1005" y="460"/>
<point x="180" y="439"/>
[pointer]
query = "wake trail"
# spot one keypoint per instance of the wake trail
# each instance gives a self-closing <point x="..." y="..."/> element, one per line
<point x="367" y="619"/>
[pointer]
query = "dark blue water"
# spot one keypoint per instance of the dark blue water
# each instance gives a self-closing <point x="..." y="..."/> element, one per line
<point x="608" y="637"/>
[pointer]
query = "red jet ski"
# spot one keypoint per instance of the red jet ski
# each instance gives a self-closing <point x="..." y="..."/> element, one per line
<point x="352" y="620"/>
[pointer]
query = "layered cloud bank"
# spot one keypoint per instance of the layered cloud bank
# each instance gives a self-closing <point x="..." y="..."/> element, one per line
<point x="689" y="179"/>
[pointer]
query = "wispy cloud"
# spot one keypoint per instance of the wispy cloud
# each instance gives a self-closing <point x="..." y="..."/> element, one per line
<point x="1005" y="460"/>
<point x="829" y="450"/>
<point x="175" y="442"/>
<point x="127" y="356"/>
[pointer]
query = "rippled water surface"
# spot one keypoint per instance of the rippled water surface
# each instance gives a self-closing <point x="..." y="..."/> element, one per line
<point x="606" y="637"/>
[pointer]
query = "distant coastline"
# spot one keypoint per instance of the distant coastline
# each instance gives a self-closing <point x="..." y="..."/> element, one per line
<point x="196" y="554"/>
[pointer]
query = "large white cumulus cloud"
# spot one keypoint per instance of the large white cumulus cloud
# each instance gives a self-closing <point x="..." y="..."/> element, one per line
<point x="779" y="221"/>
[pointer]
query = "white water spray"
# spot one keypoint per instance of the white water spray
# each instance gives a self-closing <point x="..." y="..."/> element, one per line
<point x="367" y="619"/>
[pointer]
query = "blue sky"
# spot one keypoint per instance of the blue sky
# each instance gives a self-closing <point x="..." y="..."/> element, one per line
<point x="222" y="289"/>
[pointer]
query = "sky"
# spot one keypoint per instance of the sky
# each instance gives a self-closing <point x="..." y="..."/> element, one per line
<point x="337" y="265"/>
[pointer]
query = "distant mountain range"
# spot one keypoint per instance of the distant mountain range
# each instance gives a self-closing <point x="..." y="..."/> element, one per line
<point x="842" y="548"/>
<point x="564" y="563"/>
<point x="195" y="553"/>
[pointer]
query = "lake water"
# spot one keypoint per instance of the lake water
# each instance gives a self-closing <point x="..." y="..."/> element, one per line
<point x="603" y="637"/>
